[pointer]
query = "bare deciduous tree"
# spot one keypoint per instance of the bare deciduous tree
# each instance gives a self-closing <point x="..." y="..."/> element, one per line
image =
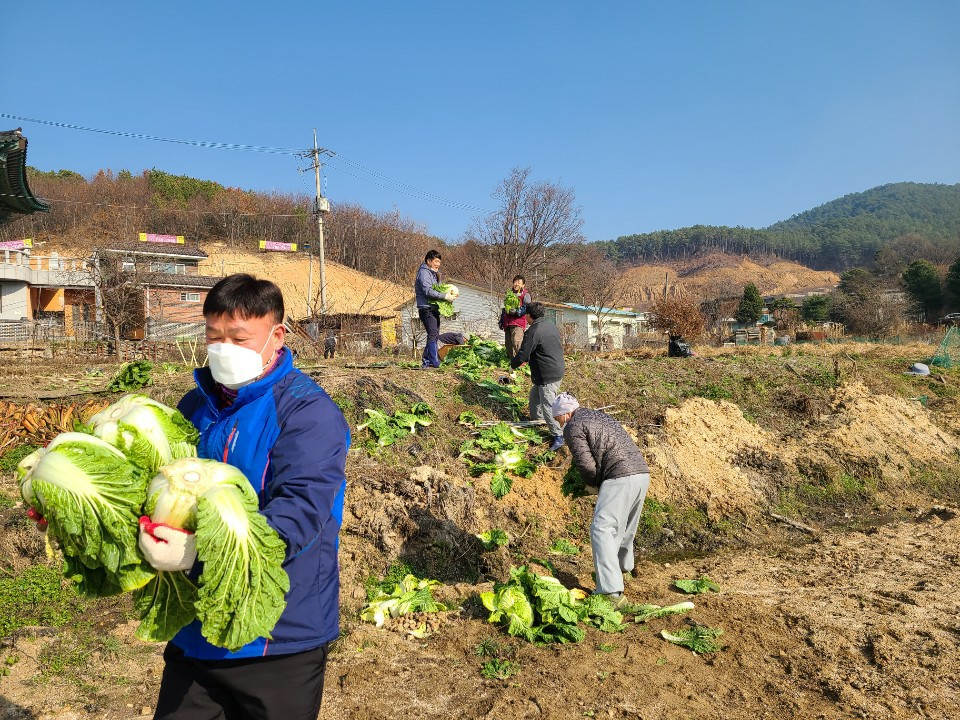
<point x="531" y="217"/>
<point x="119" y="295"/>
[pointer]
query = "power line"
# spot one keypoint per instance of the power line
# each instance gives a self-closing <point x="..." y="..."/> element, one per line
<point x="157" y="138"/>
<point x="395" y="185"/>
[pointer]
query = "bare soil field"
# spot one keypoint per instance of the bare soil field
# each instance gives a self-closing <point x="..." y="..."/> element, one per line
<point x="817" y="487"/>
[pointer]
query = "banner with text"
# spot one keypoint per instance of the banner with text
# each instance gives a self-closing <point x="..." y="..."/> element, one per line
<point x="16" y="244"/>
<point x="281" y="246"/>
<point x="168" y="239"/>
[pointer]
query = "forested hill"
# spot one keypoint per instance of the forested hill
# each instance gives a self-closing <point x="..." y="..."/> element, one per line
<point x="834" y="236"/>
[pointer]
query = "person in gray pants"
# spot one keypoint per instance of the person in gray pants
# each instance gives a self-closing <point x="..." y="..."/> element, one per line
<point x="543" y="349"/>
<point x="614" y="469"/>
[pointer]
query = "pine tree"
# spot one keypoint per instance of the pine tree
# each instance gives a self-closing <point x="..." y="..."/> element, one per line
<point x="751" y="305"/>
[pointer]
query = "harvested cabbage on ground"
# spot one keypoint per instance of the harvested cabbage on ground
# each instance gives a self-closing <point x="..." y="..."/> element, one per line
<point x="410" y="595"/>
<point x="387" y="429"/>
<point x="539" y="609"/>
<point x="507" y="445"/>
<point x="701" y="639"/>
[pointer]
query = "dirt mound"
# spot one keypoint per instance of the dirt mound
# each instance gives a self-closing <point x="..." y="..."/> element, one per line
<point x="708" y="455"/>
<point x="875" y="436"/>
<point x="694" y="462"/>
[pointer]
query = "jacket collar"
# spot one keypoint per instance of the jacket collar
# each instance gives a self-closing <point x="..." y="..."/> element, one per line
<point x="248" y="393"/>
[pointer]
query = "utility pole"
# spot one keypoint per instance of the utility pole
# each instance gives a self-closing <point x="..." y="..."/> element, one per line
<point x="322" y="205"/>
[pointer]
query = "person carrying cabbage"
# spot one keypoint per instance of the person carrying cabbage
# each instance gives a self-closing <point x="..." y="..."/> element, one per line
<point x="255" y="411"/>
<point x="513" y="316"/>
<point x="614" y="469"/>
<point x="427" y="297"/>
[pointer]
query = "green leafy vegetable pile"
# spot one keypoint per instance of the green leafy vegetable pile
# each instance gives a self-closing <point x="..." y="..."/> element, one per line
<point x="410" y="595"/>
<point x="131" y="376"/>
<point x="477" y="356"/>
<point x="573" y="484"/>
<point x="500" y="449"/>
<point x="539" y="609"/>
<point x="695" y="587"/>
<point x="492" y="539"/>
<point x="444" y="306"/>
<point x="508" y="393"/>
<point x="387" y="429"/>
<point x="93" y="486"/>
<point x="562" y="546"/>
<point x="645" y="613"/>
<point x="701" y="639"/>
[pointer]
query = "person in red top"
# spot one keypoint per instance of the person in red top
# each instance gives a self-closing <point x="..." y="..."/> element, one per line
<point x="514" y="323"/>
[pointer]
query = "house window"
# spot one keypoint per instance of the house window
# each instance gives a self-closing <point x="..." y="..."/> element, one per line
<point x="168" y="268"/>
<point x="189" y="297"/>
<point x="128" y="265"/>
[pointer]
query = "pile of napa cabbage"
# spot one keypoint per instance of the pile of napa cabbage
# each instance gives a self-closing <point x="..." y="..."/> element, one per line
<point x="139" y="457"/>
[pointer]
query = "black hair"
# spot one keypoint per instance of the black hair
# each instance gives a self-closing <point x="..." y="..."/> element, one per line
<point x="431" y="254"/>
<point x="519" y="277"/>
<point x="535" y="310"/>
<point x="246" y="297"/>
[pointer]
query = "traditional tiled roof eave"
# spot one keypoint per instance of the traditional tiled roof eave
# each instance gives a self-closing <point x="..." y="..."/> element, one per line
<point x="169" y="280"/>
<point x="155" y="250"/>
<point x="15" y="195"/>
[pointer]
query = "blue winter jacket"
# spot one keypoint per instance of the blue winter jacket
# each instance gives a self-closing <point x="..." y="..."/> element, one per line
<point x="290" y="440"/>
<point x="423" y="286"/>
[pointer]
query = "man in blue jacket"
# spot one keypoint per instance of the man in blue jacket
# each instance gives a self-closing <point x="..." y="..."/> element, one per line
<point x="427" y="276"/>
<point x="259" y="414"/>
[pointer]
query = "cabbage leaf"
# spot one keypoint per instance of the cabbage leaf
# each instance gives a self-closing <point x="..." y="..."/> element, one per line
<point x="148" y="432"/>
<point x="239" y="595"/>
<point x="90" y="495"/>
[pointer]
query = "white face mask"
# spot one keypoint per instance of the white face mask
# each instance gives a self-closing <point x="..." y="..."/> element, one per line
<point x="234" y="366"/>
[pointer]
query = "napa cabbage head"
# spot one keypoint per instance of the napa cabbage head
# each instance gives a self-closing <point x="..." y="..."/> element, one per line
<point x="150" y="433"/>
<point x="90" y="495"/>
<point x="240" y="591"/>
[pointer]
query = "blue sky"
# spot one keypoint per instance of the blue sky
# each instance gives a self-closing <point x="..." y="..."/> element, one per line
<point x="659" y="115"/>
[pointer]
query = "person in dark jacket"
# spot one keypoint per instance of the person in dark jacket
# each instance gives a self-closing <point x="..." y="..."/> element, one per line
<point x="427" y="276"/>
<point x="543" y="349"/>
<point x="514" y="323"/>
<point x="612" y="467"/>
<point x="255" y="411"/>
<point x="330" y="345"/>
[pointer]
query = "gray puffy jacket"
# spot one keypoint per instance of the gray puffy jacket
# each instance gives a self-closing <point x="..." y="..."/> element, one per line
<point x="601" y="447"/>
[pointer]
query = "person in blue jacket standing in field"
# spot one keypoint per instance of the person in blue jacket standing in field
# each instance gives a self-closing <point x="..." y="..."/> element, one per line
<point x="255" y="411"/>
<point x="427" y="276"/>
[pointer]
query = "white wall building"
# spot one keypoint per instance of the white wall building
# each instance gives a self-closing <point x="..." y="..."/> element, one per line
<point x="581" y="326"/>
<point x="478" y="310"/>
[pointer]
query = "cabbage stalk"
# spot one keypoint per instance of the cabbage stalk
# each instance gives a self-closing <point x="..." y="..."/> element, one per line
<point x="148" y="432"/>
<point x="239" y="595"/>
<point x="90" y="495"/>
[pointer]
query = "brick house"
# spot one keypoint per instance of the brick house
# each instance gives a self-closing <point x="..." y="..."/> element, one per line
<point x="170" y="290"/>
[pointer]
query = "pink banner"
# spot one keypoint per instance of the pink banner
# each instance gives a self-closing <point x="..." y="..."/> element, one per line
<point x="169" y="239"/>
<point x="281" y="246"/>
<point x="15" y="244"/>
